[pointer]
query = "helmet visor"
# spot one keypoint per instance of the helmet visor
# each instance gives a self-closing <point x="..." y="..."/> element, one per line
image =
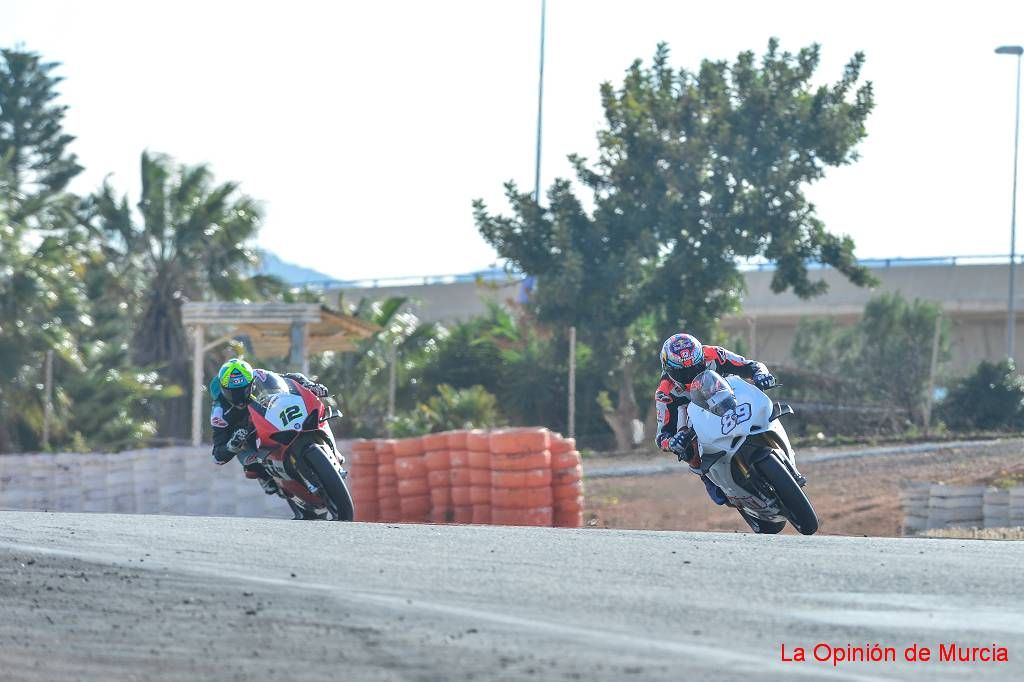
<point x="684" y="375"/>
<point x="239" y="395"/>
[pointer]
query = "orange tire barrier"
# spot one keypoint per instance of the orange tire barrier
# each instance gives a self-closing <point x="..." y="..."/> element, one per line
<point x="408" y="447"/>
<point x="478" y="441"/>
<point x="439" y="479"/>
<point x="562" y="476"/>
<point x="434" y="442"/>
<point x="560" y="444"/>
<point x="515" y="476"/>
<point x="363" y="473"/>
<point x="509" y="441"/>
<point x="481" y="513"/>
<point x="441" y="498"/>
<point x="542" y="516"/>
<point x="478" y="446"/>
<point x="366" y="512"/>
<point x="570" y="504"/>
<point x="437" y="460"/>
<point x="563" y="519"/>
<point x="564" y="460"/>
<point x="462" y="496"/>
<point x="410" y="467"/>
<point x="462" y="477"/>
<point x="520" y="461"/>
<point x="567" y="491"/>
<point x="529" y="478"/>
<point x="387" y="481"/>
<point x="457" y="440"/>
<point x="521" y="498"/>
<point x="480" y="459"/>
<point x="415" y="509"/>
<point x="479" y="494"/>
<point x="413" y="487"/>
<point x="362" y="480"/>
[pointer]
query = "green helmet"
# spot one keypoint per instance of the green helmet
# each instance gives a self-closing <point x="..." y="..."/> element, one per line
<point x="235" y="379"/>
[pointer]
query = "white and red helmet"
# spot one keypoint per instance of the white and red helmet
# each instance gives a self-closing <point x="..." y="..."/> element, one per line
<point x="682" y="358"/>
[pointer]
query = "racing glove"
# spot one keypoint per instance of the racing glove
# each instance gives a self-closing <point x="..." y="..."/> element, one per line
<point x="319" y="390"/>
<point x="764" y="380"/>
<point x="681" y="442"/>
<point x="237" y="441"/>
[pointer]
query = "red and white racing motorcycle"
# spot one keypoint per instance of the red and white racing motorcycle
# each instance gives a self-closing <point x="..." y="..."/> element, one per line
<point x="296" y="448"/>
<point x="745" y="451"/>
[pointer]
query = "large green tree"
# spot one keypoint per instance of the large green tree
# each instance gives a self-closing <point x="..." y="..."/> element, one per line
<point x="40" y="296"/>
<point x="696" y="171"/>
<point x="188" y="239"/>
<point x="33" y="142"/>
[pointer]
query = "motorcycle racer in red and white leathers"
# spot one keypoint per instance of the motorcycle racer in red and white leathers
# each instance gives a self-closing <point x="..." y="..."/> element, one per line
<point x="683" y="357"/>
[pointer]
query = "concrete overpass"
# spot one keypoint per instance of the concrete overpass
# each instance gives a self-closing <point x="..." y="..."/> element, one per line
<point x="972" y="291"/>
<point x="973" y="294"/>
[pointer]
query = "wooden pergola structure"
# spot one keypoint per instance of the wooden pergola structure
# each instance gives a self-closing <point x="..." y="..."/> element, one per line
<point x="286" y="330"/>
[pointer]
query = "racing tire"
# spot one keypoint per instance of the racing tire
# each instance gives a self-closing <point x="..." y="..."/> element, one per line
<point x="797" y="507"/>
<point x="335" y="492"/>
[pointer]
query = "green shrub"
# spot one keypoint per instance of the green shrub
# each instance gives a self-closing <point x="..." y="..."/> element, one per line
<point x="992" y="398"/>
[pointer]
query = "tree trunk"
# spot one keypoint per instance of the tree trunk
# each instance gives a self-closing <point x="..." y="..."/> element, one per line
<point x="621" y="418"/>
<point x="161" y="341"/>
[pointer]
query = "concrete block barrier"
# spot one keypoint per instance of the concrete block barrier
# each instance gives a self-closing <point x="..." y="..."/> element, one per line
<point x="1017" y="506"/>
<point x="996" y="508"/>
<point x="914" y="498"/>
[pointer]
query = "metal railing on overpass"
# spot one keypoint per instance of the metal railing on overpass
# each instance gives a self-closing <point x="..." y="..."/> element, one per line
<point x="502" y="275"/>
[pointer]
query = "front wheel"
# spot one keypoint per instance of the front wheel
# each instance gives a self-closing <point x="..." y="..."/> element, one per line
<point x="332" y="485"/>
<point x="796" y="505"/>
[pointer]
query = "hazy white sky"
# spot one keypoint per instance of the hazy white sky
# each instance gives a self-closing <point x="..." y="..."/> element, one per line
<point x="367" y="128"/>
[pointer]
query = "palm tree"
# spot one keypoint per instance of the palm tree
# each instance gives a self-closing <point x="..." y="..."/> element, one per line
<point x="190" y="240"/>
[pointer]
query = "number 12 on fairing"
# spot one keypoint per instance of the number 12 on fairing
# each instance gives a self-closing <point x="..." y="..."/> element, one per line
<point x="291" y="412"/>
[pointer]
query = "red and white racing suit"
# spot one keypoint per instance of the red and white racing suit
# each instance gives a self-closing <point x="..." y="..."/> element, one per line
<point x="672" y="398"/>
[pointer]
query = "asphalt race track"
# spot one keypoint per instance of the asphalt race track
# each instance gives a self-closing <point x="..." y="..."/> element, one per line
<point x="94" y="596"/>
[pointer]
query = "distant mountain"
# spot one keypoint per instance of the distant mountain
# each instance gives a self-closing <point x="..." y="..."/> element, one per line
<point x="288" y="272"/>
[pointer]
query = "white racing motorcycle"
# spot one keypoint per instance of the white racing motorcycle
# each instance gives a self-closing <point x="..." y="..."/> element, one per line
<point x="745" y="451"/>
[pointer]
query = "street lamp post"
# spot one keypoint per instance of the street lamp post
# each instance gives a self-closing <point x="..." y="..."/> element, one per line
<point x="1011" y="322"/>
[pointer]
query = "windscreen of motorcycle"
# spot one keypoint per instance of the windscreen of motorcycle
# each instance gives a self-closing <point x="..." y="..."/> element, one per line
<point x="713" y="393"/>
<point x="286" y="411"/>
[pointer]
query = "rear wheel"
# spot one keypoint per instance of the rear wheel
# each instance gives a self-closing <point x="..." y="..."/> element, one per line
<point x="333" y="488"/>
<point x="796" y="506"/>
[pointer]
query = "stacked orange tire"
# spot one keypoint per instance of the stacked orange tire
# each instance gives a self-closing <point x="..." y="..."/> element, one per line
<point x="566" y="483"/>
<point x="437" y="458"/>
<point x="478" y="449"/>
<point x="458" y="478"/>
<point x="521" y="491"/>
<point x="362" y="480"/>
<point x="413" y="486"/>
<point x="387" y="481"/>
